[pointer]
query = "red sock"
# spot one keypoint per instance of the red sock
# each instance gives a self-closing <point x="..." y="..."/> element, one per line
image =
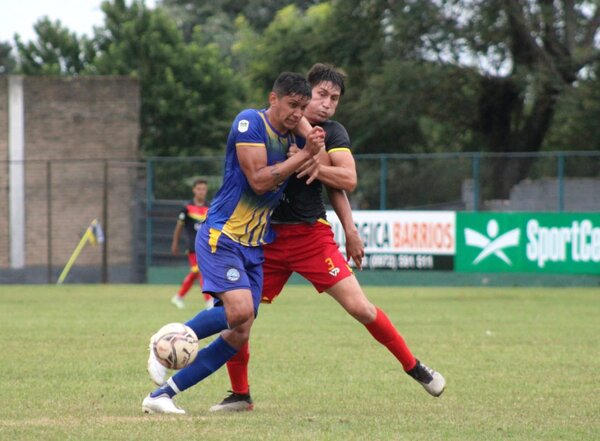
<point x="385" y="333"/>
<point x="187" y="283"/>
<point x="237" y="366"/>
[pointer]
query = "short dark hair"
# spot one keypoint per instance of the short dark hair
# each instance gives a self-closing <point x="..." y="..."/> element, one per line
<point x="199" y="181"/>
<point x="291" y="83"/>
<point x="326" y="72"/>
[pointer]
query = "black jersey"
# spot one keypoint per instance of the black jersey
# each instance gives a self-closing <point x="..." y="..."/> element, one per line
<point x="192" y="216"/>
<point x="304" y="203"/>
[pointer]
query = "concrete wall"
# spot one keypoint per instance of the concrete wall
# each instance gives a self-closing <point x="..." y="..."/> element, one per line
<point x="74" y="123"/>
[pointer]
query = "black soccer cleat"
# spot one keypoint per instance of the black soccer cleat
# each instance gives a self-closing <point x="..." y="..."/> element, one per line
<point x="234" y="403"/>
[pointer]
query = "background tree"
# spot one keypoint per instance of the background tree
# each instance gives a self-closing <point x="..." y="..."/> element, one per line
<point x="7" y="60"/>
<point x="189" y="94"/>
<point x="57" y="51"/>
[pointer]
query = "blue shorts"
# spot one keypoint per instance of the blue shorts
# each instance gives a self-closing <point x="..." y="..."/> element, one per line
<point x="226" y="265"/>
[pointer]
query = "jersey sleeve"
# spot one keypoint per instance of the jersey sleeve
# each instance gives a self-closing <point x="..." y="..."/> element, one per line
<point x="248" y="129"/>
<point x="337" y="138"/>
<point x="182" y="215"/>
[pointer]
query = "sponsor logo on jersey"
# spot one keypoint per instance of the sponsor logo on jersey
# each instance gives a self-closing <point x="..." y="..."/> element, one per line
<point x="243" y="125"/>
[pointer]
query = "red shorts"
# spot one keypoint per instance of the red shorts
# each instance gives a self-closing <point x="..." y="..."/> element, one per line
<point x="309" y="250"/>
<point x="193" y="262"/>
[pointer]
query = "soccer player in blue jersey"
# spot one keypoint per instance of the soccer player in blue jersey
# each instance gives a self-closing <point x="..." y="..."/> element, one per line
<point x="237" y="225"/>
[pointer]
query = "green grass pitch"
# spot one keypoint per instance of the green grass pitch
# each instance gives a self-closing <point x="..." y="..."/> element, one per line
<point x="521" y="364"/>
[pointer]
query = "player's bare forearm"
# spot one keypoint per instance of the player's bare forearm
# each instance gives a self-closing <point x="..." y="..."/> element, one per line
<point x="339" y="178"/>
<point x="355" y="248"/>
<point x="263" y="177"/>
<point x="338" y="171"/>
<point x="176" y="235"/>
<point x="341" y="206"/>
<point x="266" y="178"/>
<point x="303" y="128"/>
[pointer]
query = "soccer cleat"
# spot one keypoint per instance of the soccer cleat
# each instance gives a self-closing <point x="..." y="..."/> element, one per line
<point x="432" y="381"/>
<point x="209" y="304"/>
<point x="157" y="371"/>
<point x="160" y="404"/>
<point x="177" y="301"/>
<point x="234" y="403"/>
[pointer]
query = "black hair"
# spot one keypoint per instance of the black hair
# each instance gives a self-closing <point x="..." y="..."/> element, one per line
<point x="326" y="72"/>
<point x="199" y="181"/>
<point x="292" y="83"/>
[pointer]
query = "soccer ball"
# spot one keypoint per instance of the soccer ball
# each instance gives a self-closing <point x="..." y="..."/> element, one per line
<point x="175" y="345"/>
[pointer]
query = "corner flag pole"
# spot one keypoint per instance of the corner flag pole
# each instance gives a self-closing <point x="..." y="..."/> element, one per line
<point x="87" y="236"/>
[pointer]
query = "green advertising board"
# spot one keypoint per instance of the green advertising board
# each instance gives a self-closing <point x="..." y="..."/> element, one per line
<point x="528" y="242"/>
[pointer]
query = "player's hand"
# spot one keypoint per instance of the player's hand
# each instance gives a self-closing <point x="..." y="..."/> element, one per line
<point x="355" y="248"/>
<point x="292" y="150"/>
<point x="174" y="249"/>
<point x="310" y="168"/>
<point x="315" y="141"/>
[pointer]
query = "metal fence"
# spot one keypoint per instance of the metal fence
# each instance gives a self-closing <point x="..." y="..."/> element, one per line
<point x="137" y="202"/>
<point x="460" y="181"/>
<point x="46" y="207"/>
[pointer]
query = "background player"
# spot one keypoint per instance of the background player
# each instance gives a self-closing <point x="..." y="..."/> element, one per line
<point x="305" y="243"/>
<point x="237" y="225"/>
<point x="190" y="218"/>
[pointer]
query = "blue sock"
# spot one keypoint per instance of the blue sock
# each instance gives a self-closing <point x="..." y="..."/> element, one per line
<point x="166" y="389"/>
<point x="208" y="322"/>
<point x="209" y="359"/>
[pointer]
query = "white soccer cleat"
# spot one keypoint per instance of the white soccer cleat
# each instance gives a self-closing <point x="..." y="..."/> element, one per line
<point x="160" y="404"/>
<point x="433" y="382"/>
<point x="210" y="304"/>
<point x="177" y="301"/>
<point x="157" y="372"/>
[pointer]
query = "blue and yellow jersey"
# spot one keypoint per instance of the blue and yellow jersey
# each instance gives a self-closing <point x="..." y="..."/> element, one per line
<point x="236" y="210"/>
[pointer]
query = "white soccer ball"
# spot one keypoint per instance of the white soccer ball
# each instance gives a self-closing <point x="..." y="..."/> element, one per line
<point x="175" y="345"/>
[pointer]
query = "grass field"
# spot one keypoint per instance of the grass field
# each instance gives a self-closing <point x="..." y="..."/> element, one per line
<point x="521" y="364"/>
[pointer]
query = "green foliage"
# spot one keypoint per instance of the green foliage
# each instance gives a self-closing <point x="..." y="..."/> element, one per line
<point x="189" y="93"/>
<point x="7" y="60"/>
<point x="57" y="51"/>
<point x="422" y="76"/>
<point x="293" y="41"/>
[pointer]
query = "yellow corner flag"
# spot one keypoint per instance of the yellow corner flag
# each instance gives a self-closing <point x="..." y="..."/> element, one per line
<point x="94" y="235"/>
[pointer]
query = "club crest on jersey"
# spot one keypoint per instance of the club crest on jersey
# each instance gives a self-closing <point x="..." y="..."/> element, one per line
<point x="243" y="125"/>
<point x="233" y="275"/>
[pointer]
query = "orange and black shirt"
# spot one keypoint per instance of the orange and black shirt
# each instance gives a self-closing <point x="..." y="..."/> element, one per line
<point x="192" y="216"/>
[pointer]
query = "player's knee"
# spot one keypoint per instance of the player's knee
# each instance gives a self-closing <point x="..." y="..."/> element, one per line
<point x="239" y="314"/>
<point x="364" y="312"/>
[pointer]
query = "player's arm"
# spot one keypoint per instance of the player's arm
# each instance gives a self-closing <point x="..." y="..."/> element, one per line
<point x="355" y="248"/>
<point x="303" y="128"/>
<point x="263" y="177"/>
<point x="335" y="169"/>
<point x="176" y="235"/>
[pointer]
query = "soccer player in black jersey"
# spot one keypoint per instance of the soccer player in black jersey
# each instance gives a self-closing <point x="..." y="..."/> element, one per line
<point x="191" y="216"/>
<point x="305" y="243"/>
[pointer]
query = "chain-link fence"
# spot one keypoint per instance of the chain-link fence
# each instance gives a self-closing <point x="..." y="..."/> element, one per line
<point x="46" y="206"/>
